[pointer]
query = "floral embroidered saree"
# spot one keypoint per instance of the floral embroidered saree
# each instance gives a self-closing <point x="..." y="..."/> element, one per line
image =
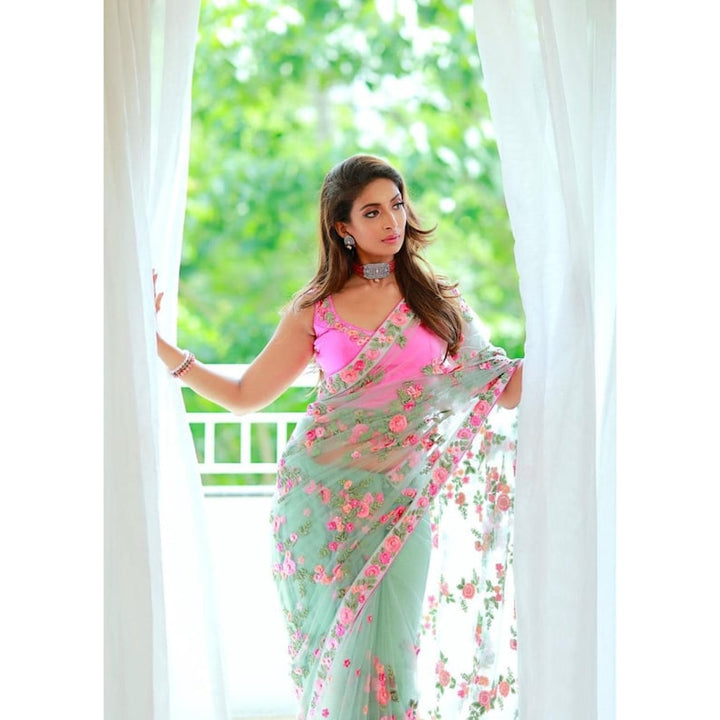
<point x="392" y="532"/>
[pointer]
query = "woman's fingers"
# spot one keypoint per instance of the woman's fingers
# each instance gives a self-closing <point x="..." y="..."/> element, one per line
<point x="158" y="295"/>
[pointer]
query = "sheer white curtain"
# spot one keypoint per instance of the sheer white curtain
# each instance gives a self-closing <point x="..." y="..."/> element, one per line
<point x="162" y="655"/>
<point x="549" y="68"/>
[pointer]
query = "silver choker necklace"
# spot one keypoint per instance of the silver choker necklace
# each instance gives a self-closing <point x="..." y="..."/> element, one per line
<point x="374" y="271"/>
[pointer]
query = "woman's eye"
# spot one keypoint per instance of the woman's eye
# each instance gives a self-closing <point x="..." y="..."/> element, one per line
<point x="399" y="204"/>
<point x="371" y="214"/>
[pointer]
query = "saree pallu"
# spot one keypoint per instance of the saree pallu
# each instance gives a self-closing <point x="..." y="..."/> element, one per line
<point x="392" y="534"/>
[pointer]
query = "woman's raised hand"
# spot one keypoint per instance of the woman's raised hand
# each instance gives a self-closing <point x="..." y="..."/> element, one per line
<point x="158" y="296"/>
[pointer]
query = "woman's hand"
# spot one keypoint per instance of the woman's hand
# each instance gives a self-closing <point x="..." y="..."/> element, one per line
<point x="159" y="341"/>
<point x="510" y="397"/>
<point x="158" y="296"/>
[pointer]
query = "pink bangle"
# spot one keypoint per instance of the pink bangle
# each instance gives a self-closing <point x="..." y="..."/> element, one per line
<point x="184" y="366"/>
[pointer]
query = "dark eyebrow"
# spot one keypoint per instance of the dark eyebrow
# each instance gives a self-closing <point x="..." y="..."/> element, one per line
<point x="372" y="204"/>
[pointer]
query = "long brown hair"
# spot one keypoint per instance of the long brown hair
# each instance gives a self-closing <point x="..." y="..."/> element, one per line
<point x="432" y="298"/>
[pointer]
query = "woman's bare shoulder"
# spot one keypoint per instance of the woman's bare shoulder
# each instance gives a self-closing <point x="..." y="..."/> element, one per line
<point x="298" y="317"/>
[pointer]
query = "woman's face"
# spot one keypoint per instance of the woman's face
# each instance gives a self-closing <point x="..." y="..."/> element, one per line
<point x="377" y="222"/>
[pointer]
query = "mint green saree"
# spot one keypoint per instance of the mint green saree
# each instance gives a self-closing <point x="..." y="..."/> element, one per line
<point x="392" y="530"/>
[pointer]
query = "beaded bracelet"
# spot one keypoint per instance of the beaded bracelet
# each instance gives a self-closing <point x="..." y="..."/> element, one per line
<point x="184" y="366"/>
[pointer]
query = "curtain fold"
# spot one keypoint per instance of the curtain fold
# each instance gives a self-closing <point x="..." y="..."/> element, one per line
<point x="162" y="653"/>
<point x="549" y="72"/>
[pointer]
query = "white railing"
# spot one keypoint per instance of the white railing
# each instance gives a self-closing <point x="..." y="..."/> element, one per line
<point x="244" y="464"/>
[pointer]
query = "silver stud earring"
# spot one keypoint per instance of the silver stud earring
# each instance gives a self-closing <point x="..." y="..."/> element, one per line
<point x="349" y="241"/>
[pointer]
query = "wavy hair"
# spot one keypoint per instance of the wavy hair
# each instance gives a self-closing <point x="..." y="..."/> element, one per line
<point x="431" y="297"/>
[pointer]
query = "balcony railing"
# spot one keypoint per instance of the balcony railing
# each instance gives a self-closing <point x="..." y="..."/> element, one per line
<point x="205" y="426"/>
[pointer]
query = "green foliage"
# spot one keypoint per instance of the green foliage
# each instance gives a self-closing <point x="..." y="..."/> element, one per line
<point x="281" y="94"/>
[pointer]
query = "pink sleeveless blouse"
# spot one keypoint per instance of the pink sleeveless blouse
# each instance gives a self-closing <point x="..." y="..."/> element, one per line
<point x="337" y="342"/>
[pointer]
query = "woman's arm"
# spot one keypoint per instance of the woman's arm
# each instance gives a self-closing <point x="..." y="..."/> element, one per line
<point x="512" y="393"/>
<point x="286" y="355"/>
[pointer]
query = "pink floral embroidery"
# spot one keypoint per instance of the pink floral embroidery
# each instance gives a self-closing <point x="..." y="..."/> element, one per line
<point x="393" y="543"/>
<point x="398" y="423"/>
<point x="399" y="318"/>
<point x="372" y="571"/>
<point x="346" y="616"/>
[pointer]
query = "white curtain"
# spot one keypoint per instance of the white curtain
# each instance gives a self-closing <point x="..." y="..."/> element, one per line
<point x="162" y="654"/>
<point x="549" y="69"/>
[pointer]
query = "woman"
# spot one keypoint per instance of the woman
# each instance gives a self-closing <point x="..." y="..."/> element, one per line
<point x="395" y="449"/>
